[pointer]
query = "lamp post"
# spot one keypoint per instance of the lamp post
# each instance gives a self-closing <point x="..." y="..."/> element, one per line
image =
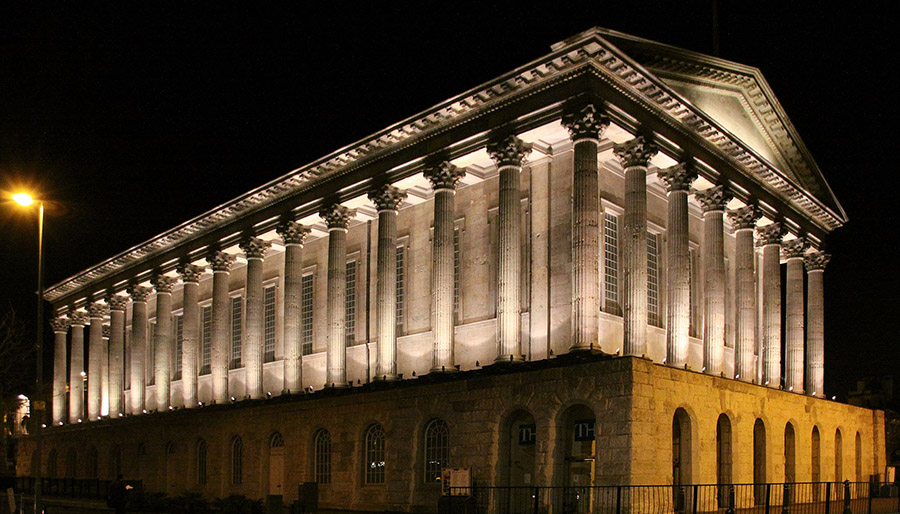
<point x="25" y="199"/>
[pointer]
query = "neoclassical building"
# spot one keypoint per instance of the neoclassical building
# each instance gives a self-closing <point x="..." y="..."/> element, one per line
<point x="571" y="274"/>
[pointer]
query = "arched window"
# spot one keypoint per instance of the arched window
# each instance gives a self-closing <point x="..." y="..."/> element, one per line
<point x="237" y="461"/>
<point x="723" y="458"/>
<point x="170" y="448"/>
<point x="816" y="460"/>
<point x="759" y="461"/>
<point x="322" y="456"/>
<point x="437" y="449"/>
<point x="374" y="458"/>
<point x="71" y="461"/>
<point x="838" y="456"/>
<point x="115" y="461"/>
<point x="859" y="475"/>
<point x="790" y="459"/>
<point x="51" y="464"/>
<point x="201" y="462"/>
<point x="681" y="455"/>
<point x="90" y="464"/>
<point x="277" y="440"/>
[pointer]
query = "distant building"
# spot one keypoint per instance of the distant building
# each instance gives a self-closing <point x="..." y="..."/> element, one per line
<point x="882" y="393"/>
<point x="570" y="274"/>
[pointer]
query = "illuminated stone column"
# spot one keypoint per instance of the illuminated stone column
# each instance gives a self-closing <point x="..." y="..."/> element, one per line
<point x="444" y="178"/>
<point x="337" y="217"/>
<point x="509" y="155"/>
<point x="770" y="237"/>
<point x="190" y="331"/>
<point x="387" y="200"/>
<point x="793" y="252"/>
<point x="713" y="201"/>
<point x="96" y="311"/>
<point x="293" y="235"/>
<point x="60" y="331"/>
<point x="254" y="249"/>
<point x="815" y="323"/>
<point x="162" y="343"/>
<point x="635" y="156"/>
<point x="585" y="126"/>
<point x="138" y="345"/>
<point x="678" y="180"/>
<point x="116" y="354"/>
<point x="744" y="222"/>
<point x="104" y="373"/>
<point x="77" y="320"/>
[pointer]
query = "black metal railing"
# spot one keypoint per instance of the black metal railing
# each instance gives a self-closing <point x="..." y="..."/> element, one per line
<point x="789" y="498"/>
<point x="85" y="488"/>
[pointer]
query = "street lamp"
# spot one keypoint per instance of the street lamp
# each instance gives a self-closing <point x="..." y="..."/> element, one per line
<point x="25" y="200"/>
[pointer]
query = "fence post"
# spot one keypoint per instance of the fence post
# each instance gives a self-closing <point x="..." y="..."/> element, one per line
<point x="730" y="499"/>
<point x="694" y="498"/>
<point x="786" y="499"/>
<point x="847" y="509"/>
<point x="537" y="490"/>
<point x="768" y="497"/>
<point x="618" y="499"/>
<point x="827" y="497"/>
<point x="870" y="497"/>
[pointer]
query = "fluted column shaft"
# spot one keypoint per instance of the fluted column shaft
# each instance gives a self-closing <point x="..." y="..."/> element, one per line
<point x="585" y="125"/>
<point x="293" y="235"/>
<point x="815" y="320"/>
<point x="252" y="347"/>
<point x="770" y="236"/>
<point x="337" y="218"/>
<point x="744" y="222"/>
<point x="678" y="180"/>
<point x="387" y="199"/>
<point x="713" y="202"/>
<point x="95" y="354"/>
<point x="444" y="178"/>
<point x="793" y="330"/>
<point x="60" y="331"/>
<point x="116" y="355"/>
<point x="220" y="328"/>
<point x="138" y="347"/>
<point x="76" y="368"/>
<point x="635" y="156"/>
<point x="162" y="343"/>
<point x="190" y="339"/>
<point x="104" y="374"/>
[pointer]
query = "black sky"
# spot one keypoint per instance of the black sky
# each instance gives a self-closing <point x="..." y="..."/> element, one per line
<point x="135" y="120"/>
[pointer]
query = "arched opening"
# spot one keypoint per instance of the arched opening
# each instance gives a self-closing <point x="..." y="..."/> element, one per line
<point x="790" y="456"/>
<point x="838" y="456"/>
<point x="141" y="459"/>
<point x="172" y="467"/>
<point x="237" y="461"/>
<point x="90" y="463"/>
<point x="71" y="461"/>
<point x="681" y="456"/>
<point x="580" y="446"/>
<point x="859" y="472"/>
<point x="816" y="462"/>
<point x="521" y="439"/>
<point x="51" y="464"/>
<point x="322" y="457"/>
<point x="374" y="455"/>
<point x="759" y="461"/>
<point x="115" y="462"/>
<point x="724" y="458"/>
<point x="201" y="462"/>
<point x="437" y="450"/>
<point x="276" y="464"/>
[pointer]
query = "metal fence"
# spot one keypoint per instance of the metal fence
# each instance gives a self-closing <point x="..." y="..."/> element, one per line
<point x="792" y="498"/>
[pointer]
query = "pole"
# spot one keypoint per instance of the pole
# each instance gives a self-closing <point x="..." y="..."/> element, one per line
<point x="39" y="359"/>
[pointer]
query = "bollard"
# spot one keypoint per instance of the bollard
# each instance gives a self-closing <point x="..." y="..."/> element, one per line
<point x="768" y="497"/>
<point x="847" y="509"/>
<point x="730" y="500"/>
<point x="786" y="499"/>
<point x="536" y="500"/>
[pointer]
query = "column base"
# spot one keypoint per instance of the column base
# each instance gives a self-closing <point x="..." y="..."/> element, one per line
<point x="509" y="359"/>
<point x="443" y="369"/>
<point x="337" y="385"/>
<point x="386" y="378"/>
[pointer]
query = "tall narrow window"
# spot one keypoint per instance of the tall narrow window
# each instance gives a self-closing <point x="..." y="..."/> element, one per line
<point x="350" y="303"/>
<point x="374" y="461"/>
<point x="205" y="339"/>
<point x="127" y="359"/>
<point x="456" y="272"/>
<point x="437" y="450"/>
<point x="269" y="327"/>
<point x="322" y="463"/>
<point x="693" y="284"/>
<point x="653" y="316"/>
<point x="201" y="462"/>
<point x="237" y="308"/>
<point x="401" y="289"/>
<point x="151" y="355"/>
<point x="611" y="263"/>
<point x="306" y="313"/>
<point x="237" y="461"/>
<point x="179" y="345"/>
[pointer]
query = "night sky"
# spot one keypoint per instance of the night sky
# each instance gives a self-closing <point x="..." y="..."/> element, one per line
<point x="132" y="121"/>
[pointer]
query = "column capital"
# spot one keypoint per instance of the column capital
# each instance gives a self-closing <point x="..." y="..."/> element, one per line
<point x="508" y="151"/>
<point x="794" y="249"/>
<point x="163" y="283"/>
<point x="585" y="122"/>
<point x="292" y="233"/>
<point x="191" y="272"/>
<point x="106" y="332"/>
<point x="443" y="175"/>
<point x="337" y="216"/>
<point x="744" y="217"/>
<point x="60" y="325"/>
<point x="97" y="310"/>
<point x="77" y="318"/>
<point x="387" y="198"/>
<point x="770" y="234"/>
<point x="116" y="302"/>
<point x="714" y="198"/>
<point x="636" y="152"/>
<point x="817" y="261"/>
<point x="678" y="177"/>
<point x="138" y="293"/>
<point x="254" y="247"/>
<point x="220" y="261"/>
